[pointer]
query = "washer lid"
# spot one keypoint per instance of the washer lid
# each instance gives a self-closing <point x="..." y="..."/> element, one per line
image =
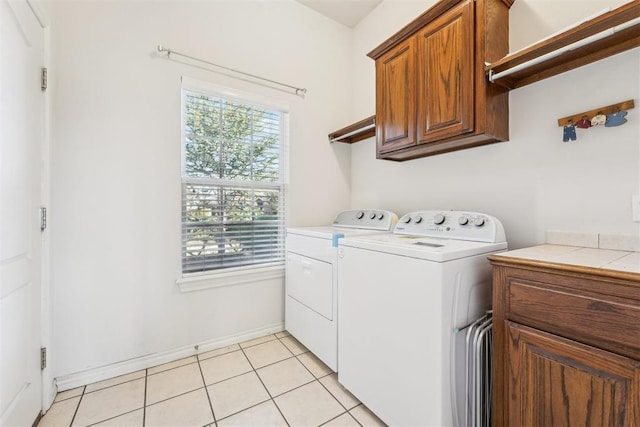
<point x="329" y="232"/>
<point x="426" y="248"/>
<point x="352" y="222"/>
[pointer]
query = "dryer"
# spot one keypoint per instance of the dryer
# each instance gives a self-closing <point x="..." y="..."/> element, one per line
<point x="311" y="298"/>
<point x="405" y="299"/>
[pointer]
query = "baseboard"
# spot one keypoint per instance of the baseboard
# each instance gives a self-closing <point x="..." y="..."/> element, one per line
<point x="67" y="382"/>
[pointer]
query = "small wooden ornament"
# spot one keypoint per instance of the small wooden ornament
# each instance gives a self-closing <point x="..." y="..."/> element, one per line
<point x="584" y="123"/>
<point x="616" y="119"/>
<point x="598" y="119"/>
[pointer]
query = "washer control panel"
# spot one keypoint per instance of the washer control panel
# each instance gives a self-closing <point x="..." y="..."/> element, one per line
<point x="366" y="219"/>
<point x="459" y="225"/>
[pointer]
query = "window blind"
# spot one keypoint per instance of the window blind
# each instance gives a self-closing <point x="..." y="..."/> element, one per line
<point x="232" y="183"/>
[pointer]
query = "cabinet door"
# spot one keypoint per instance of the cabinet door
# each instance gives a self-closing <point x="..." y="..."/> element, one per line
<point x="557" y="382"/>
<point x="445" y="63"/>
<point x="395" y="98"/>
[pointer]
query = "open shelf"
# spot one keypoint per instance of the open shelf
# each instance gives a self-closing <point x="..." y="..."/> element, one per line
<point x="600" y="37"/>
<point x="355" y="132"/>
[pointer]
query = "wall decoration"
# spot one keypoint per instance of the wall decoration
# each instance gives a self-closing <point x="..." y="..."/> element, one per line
<point x="609" y="116"/>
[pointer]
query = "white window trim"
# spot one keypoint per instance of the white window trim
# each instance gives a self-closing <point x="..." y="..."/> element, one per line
<point x="230" y="277"/>
<point x="261" y="101"/>
<point x="233" y="276"/>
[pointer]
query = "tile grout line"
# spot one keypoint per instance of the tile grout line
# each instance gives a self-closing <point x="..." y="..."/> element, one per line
<point x="338" y="416"/>
<point x="346" y="410"/>
<point x="263" y="384"/>
<point x="109" y="386"/>
<point x="113" y="417"/>
<point x="144" y="403"/>
<point x="198" y="359"/>
<point x="206" y="390"/>
<point x="77" y="407"/>
<point x="245" y="409"/>
<point x="177" y="395"/>
<point x="127" y="412"/>
<point x="332" y="395"/>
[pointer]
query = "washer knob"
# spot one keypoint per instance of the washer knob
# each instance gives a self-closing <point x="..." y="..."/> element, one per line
<point x="478" y="222"/>
<point x="372" y="215"/>
<point x="406" y="219"/>
<point x="360" y="215"/>
<point x="463" y="220"/>
<point x="380" y="216"/>
<point x="438" y="219"/>
<point x="417" y="219"/>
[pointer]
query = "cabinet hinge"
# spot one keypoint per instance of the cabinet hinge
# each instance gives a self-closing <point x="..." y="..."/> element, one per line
<point x="43" y="358"/>
<point x="43" y="218"/>
<point x="43" y="82"/>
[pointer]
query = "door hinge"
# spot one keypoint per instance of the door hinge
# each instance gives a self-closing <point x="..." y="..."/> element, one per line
<point x="43" y="358"/>
<point x="43" y="218"/>
<point x="43" y="82"/>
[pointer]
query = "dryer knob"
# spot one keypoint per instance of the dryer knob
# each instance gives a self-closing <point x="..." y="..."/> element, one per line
<point x="463" y="220"/>
<point x="360" y="215"/>
<point x="372" y="215"/>
<point x="406" y="219"/>
<point x="380" y="216"/>
<point x="438" y="219"/>
<point x="417" y="219"/>
<point x="478" y="222"/>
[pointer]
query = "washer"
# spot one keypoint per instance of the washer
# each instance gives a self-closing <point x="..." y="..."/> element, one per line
<point x="311" y="278"/>
<point x="404" y="299"/>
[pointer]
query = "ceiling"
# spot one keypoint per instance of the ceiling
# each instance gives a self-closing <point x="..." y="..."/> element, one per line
<point x="347" y="12"/>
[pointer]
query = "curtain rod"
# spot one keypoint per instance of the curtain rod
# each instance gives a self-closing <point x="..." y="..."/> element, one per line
<point x="298" y="91"/>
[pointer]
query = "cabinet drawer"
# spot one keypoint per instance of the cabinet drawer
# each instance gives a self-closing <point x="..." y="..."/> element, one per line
<point x="610" y="324"/>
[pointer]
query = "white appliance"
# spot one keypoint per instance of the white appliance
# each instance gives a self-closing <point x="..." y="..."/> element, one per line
<point x="405" y="300"/>
<point x="311" y="278"/>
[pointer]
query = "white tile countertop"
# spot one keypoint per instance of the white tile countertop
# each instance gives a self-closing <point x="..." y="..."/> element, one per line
<point x="580" y="256"/>
<point x="592" y="250"/>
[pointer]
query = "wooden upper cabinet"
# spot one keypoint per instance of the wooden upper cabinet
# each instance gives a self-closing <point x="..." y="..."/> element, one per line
<point x="445" y="76"/>
<point x="432" y="94"/>
<point x="394" y="98"/>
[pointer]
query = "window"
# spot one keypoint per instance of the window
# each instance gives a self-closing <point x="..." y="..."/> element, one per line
<point x="232" y="182"/>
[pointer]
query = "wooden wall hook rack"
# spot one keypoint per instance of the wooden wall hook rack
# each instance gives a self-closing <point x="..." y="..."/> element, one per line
<point x="610" y="109"/>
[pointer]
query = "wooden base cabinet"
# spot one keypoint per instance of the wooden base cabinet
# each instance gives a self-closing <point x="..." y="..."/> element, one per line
<point x="566" y="345"/>
<point x="432" y="94"/>
<point x="558" y="382"/>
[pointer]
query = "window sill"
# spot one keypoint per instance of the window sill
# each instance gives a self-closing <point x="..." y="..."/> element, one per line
<point x="230" y="277"/>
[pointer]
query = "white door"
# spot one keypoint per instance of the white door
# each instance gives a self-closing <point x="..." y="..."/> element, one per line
<point x="21" y="133"/>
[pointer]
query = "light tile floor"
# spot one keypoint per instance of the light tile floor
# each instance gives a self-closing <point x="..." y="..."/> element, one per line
<point x="269" y="381"/>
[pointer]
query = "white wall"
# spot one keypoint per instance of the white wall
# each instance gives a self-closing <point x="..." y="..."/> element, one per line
<point x="534" y="182"/>
<point x="115" y="214"/>
<point x="115" y="210"/>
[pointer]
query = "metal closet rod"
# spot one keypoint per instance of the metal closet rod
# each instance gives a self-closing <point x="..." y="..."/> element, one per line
<point x="352" y="133"/>
<point x="298" y="90"/>
<point x="606" y="33"/>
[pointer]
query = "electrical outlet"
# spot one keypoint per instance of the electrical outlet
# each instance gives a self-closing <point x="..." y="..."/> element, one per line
<point x="635" y="208"/>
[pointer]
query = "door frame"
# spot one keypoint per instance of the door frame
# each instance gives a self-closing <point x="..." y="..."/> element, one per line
<point x="49" y="388"/>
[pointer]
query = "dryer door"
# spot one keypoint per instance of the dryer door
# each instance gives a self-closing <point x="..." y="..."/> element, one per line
<point x="310" y="282"/>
